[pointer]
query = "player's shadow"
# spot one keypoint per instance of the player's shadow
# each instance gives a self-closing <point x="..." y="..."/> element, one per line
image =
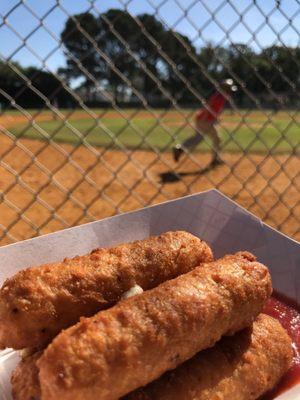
<point x="172" y="177"/>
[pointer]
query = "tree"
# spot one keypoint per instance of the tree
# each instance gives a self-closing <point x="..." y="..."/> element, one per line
<point x="214" y="61"/>
<point x="281" y="61"/>
<point x="115" y="50"/>
<point x="148" y="64"/>
<point x="183" y="67"/>
<point x="116" y="25"/>
<point x="100" y="52"/>
<point x="47" y="84"/>
<point x="93" y="50"/>
<point x="10" y="81"/>
<point x="20" y="83"/>
<point x="81" y="57"/>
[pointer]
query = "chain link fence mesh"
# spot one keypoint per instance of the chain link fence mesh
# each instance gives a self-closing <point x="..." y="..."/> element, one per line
<point x="94" y="137"/>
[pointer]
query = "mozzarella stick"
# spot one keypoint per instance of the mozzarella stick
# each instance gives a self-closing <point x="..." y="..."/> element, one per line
<point x="25" y="379"/>
<point x="131" y="344"/>
<point x="240" y="367"/>
<point x="39" y="302"/>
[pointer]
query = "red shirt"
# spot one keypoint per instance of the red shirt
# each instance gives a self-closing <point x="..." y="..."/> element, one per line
<point x="215" y="106"/>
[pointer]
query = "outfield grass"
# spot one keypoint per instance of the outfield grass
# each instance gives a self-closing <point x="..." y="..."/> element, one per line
<point x="255" y="133"/>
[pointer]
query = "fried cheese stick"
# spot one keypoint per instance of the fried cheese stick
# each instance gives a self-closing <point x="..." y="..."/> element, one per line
<point x="239" y="367"/>
<point x="131" y="344"/>
<point x="25" y="379"/>
<point x="39" y="302"/>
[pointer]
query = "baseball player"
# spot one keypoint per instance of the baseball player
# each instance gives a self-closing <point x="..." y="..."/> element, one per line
<point x="205" y="123"/>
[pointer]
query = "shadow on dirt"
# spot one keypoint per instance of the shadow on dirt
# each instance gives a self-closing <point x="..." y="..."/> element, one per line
<point x="172" y="177"/>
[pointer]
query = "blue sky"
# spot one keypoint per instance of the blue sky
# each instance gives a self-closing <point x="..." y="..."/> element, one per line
<point x="195" y="23"/>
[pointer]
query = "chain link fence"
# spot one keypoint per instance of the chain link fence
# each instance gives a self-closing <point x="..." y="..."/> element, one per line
<point x="91" y="135"/>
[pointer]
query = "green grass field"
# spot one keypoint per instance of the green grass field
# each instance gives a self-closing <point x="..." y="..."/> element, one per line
<point x="251" y="131"/>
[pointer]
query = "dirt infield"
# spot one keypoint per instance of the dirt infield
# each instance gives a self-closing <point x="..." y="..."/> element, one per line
<point x="118" y="180"/>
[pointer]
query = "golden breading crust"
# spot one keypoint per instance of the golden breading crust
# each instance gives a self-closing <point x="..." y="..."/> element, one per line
<point x="131" y="344"/>
<point x="240" y="367"/>
<point x="25" y="379"/>
<point x="39" y="302"/>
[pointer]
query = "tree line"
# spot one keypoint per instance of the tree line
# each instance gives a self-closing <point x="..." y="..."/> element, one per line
<point x="140" y="59"/>
<point x="31" y="87"/>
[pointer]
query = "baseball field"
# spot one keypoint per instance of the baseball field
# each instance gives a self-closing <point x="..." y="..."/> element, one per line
<point x="107" y="161"/>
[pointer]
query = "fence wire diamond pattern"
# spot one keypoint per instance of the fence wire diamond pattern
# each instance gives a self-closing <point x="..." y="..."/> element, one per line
<point x="93" y="136"/>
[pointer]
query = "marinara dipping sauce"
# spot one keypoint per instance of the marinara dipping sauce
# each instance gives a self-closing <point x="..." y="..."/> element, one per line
<point x="288" y="314"/>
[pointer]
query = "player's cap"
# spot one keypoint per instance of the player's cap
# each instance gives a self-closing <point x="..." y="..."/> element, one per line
<point x="228" y="83"/>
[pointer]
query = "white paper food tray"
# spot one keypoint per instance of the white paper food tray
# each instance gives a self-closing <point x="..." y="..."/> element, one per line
<point x="210" y="215"/>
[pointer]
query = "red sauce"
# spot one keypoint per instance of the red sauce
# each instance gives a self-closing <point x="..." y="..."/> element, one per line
<point x="288" y="314"/>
